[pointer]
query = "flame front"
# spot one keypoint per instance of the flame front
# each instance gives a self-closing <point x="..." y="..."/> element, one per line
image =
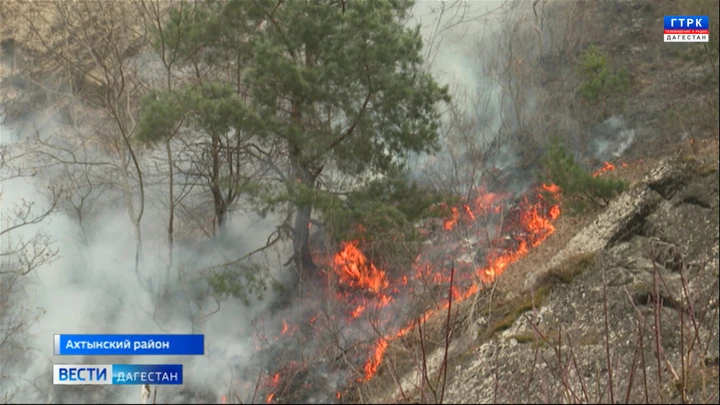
<point x="450" y="223"/>
<point x="607" y="167"/>
<point x="502" y="230"/>
<point x="374" y="362"/>
<point x="354" y="270"/>
<point x="536" y="223"/>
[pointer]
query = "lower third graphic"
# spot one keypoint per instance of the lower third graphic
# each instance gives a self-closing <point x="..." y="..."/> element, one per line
<point x="117" y="374"/>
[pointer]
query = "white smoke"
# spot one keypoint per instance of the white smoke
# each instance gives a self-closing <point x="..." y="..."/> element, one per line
<point x="611" y="138"/>
<point x="92" y="288"/>
<point x="464" y="53"/>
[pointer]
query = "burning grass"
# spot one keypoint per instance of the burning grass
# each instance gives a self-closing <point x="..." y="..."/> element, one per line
<point x="369" y="312"/>
<point x="408" y="355"/>
<point x="535" y="223"/>
<point x="607" y="167"/>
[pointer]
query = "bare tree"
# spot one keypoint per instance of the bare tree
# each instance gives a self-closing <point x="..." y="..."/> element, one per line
<point x="22" y="251"/>
<point x="95" y="42"/>
<point x="154" y="14"/>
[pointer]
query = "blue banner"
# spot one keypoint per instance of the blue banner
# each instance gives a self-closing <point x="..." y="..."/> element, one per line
<point x="686" y="23"/>
<point x="117" y="374"/>
<point x="154" y="374"/>
<point x="128" y="345"/>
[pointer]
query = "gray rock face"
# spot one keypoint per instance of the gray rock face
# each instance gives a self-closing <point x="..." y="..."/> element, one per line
<point x="624" y="214"/>
<point x="650" y="296"/>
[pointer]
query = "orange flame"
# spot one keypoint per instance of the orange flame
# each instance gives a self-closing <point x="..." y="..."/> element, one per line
<point x="537" y="226"/>
<point x="223" y="399"/>
<point x="532" y="224"/>
<point x="468" y="211"/>
<point x="353" y="269"/>
<point x="450" y="223"/>
<point x="552" y="188"/>
<point x="488" y="202"/>
<point x="374" y="361"/>
<point x="384" y="300"/>
<point x="358" y="311"/>
<point x="607" y="167"/>
<point x="269" y="398"/>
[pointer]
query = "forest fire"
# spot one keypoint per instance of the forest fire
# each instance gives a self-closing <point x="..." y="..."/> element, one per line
<point x="450" y="223"/>
<point x="354" y="270"/>
<point x="537" y="227"/>
<point x="474" y="246"/>
<point x="607" y="167"/>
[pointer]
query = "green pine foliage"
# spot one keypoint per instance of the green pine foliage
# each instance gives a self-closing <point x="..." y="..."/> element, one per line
<point x="308" y="86"/>
<point x="339" y="84"/>
<point x="384" y="214"/>
<point x="242" y="281"/>
<point x="580" y="190"/>
<point x="210" y="108"/>
<point x="598" y="82"/>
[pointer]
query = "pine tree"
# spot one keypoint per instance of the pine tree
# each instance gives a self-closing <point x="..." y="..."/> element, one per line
<point x="318" y="85"/>
<point x="579" y="187"/>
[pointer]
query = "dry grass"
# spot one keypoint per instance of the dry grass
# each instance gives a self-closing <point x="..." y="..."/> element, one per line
<point x="521" y="275"/>
<point x="510" y="296"/>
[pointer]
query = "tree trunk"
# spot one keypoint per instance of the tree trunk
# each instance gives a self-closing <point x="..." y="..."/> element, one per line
<point x="302" y="258"/>
<point x="304" y="265"/>
<point x="171" y="209"/>
<point x="220" y="214"/>
<point x="218" y="200"/>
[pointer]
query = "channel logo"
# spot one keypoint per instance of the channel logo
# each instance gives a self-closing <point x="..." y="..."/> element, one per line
<point x="117" y="374"/>
<point x="686" y="28"/>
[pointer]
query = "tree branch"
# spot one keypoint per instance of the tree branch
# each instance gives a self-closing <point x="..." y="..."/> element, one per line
<point x="350" y="130"/>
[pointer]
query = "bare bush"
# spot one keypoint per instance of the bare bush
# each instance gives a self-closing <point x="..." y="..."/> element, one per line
<point x="24" y="249"/>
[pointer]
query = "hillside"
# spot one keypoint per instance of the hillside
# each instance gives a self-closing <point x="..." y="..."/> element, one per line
<point x="653" y="251"/>
<point x="520" y="291"/>
<point x="583" y="317"/>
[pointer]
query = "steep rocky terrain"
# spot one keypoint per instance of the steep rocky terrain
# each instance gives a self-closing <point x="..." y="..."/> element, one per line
<point x="584" y="316"/>
<point x="642" y="276"/>
<point x="619" y="305"/>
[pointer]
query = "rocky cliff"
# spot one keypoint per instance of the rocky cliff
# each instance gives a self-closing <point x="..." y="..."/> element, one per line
<point x="626" y="311"/>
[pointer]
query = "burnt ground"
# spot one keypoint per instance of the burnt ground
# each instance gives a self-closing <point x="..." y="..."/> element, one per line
<point x="652" y="287"/>
<point x="590" y="308"/>
<point x="542" y="333"/>
<point x="606" y="307"/>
